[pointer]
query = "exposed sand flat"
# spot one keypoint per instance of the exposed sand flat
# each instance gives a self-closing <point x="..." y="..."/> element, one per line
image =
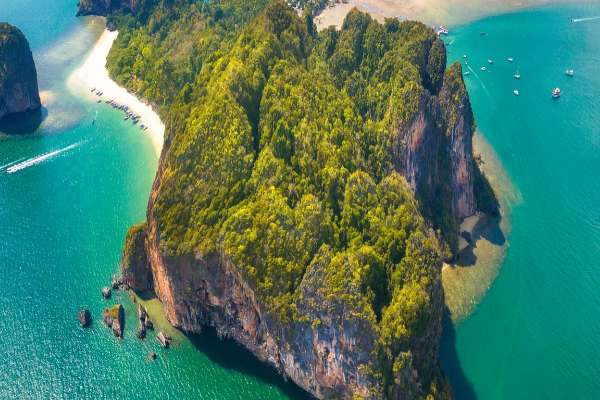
<point x="93" y="74"/>
<point x="437" y="12"/>
<point x="466" y="282"/>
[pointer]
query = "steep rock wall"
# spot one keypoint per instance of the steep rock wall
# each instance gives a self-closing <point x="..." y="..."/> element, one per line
<point x="18" y="76"/>
<point x="434" y="151"/>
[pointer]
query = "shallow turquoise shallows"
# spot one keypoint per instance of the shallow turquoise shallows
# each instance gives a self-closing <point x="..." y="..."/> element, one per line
<point x="63" y="218"/>
<point x="536" y="334"/>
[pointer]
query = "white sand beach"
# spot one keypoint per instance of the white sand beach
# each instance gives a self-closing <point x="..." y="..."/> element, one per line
<point x="448" y="12"/>
<point x="93" y="74"/>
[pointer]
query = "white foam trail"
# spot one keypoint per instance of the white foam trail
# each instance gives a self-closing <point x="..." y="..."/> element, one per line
<point x="585" y="19"/>
<point x="38" y="160"/>
<point x="2" y="168"/>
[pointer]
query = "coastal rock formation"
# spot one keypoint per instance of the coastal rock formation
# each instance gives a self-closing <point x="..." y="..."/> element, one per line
<point x="85" y="318"/>
<point x="433" y="149"/>
<point x="18" y="77"/>
<point x="134" y="269"/>
<point x="114" y="318"/>
<point x="300" y="192"/>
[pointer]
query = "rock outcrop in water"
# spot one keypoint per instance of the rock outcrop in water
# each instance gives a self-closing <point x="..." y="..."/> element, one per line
<point x="134" y="262"/>
<point x="114" y="318"/>
<point x="18" y="77"/>
<point x="85" y="318"/>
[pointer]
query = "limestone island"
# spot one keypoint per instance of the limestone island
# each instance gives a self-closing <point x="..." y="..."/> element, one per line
<point x="18" y="77"/>
<point x="310" y="186"/>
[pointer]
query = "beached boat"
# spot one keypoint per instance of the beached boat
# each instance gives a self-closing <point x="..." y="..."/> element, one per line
<point x="442" y="30"/>
<point x="556" y="93"/>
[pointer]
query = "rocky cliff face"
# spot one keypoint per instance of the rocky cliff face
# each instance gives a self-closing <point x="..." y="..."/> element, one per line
<point x="434" y="151"/>
<point x="106" y="7"/>
<point x="18" y="76"/>
<point x="328" y="359"/>
<point x="134" y="263"/>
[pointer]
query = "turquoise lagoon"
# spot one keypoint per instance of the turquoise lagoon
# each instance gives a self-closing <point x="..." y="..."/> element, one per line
<point x="536" y="333"/>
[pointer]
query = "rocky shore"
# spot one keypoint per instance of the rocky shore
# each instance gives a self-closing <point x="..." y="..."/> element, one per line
<point x="114" y="318"/>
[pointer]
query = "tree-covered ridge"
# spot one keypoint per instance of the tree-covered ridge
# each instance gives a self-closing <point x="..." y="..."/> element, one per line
<point x="277" y="156"/>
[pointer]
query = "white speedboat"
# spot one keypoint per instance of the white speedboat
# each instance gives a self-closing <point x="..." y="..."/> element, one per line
<point x="516" y="92"/>
<point x="517" y="75"/>
<point x="483" y="68"/>
<point x="556" y="93"/>
<point x="467" y="73"/>
<point x="490" y="61"/>
<point x="510" y="59"/>
<point x="464" y="56"/>
<point x="442" y="30"/>
<point x="569" y="72"/>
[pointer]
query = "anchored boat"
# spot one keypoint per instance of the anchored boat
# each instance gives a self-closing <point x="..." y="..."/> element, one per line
<point x="556" y="93"/>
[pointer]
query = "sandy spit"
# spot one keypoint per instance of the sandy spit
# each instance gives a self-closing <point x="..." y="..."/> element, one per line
<point x="92" y="74"/>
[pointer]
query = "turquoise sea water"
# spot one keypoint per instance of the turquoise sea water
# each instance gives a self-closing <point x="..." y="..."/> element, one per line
<point x="536" y="334"/>
<point x="63" y="218"/>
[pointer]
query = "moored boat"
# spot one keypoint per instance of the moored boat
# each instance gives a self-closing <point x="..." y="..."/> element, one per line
<point x="556" y="93"/>
<point x="442" y="30"/>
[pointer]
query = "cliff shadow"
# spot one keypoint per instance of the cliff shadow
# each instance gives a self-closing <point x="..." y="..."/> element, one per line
<point x="23" y="123"/>
<point x="461" y="386"/>
<point x="487" y="227"/>
<point x="230" y="355"/>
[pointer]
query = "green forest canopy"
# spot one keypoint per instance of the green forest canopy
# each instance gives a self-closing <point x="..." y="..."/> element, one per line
<point x="277" y="153"/>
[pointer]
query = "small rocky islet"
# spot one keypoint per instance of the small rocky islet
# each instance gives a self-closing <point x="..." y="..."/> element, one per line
<point x="19" y="91"/>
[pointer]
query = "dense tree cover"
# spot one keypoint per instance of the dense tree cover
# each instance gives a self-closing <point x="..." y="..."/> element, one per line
<point x="277" y="157"/>
<point x="311" y="7"/>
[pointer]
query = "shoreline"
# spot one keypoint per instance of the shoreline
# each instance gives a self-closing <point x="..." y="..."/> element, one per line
<point x="92" y="73"/>
<point x="467" y="280"/>
<point x="453" y="12"/>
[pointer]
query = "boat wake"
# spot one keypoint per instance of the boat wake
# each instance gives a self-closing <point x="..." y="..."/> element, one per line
<point x="485" y="89"/>
<point x="585" y="19"/>
<point x="18" y="165"/>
